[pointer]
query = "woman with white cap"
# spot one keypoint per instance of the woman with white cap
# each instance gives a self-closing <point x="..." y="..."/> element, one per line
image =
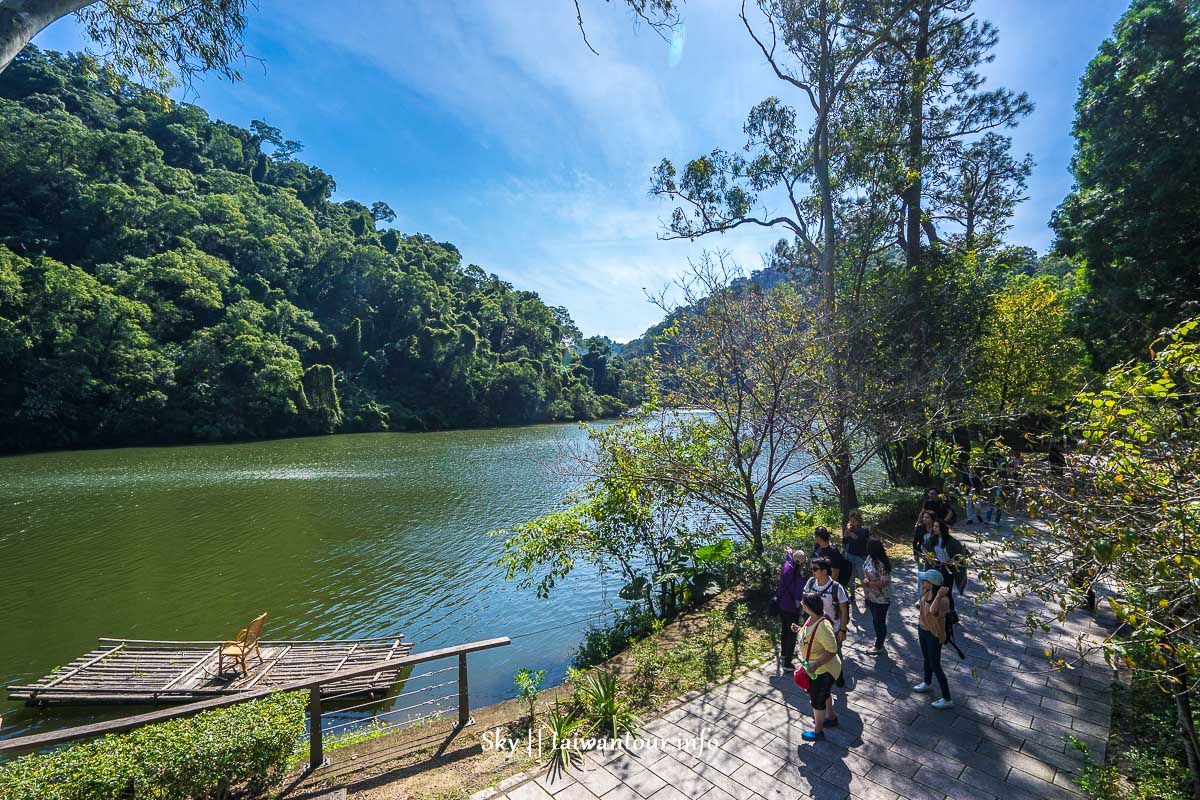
<point x="931" y="632"/>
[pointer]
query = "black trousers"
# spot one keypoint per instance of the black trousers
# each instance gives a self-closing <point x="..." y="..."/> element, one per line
<point x="879" y="619"/>
<point x="787" y="639"/>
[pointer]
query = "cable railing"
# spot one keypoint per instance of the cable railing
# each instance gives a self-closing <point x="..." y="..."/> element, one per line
<point x="321" y="719"/>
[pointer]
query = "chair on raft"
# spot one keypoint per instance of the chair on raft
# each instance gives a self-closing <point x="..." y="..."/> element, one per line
<point x="245" y="643"/>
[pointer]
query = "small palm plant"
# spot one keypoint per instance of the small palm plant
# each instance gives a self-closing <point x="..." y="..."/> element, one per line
<point x="609" y="711"/>
<point x="563" y="725"/>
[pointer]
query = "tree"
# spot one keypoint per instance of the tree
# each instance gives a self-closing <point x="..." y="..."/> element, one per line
<point x="1131" y="216"/>
<point x="647" y="532"/>
<point x="660" y="15"/>
<point x="819" y="49"/>
<point x="1124" y="511"/>
<point x="146" y="38"/>
<point x="928" y="80"/>
<point x="1027" y="364"/>
<point x="754" y="361"/>
<point x="979" y="192"/>
<point x="269" y="309"/>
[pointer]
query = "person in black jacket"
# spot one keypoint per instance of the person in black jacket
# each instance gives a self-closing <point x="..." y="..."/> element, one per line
<point x="947" y="555"/>
<point x="822" y="548"/>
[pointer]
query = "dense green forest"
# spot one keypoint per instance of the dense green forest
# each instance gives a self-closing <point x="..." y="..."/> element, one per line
<point x="166" y="277"/>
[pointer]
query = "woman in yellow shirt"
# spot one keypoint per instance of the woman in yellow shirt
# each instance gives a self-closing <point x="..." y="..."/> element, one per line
<point x="818" y="643"/>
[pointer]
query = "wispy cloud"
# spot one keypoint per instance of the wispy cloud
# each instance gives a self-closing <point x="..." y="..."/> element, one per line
<point x="488" y="123"/>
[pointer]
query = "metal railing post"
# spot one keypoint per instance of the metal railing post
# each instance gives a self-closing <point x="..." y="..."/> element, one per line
<point x="316" y="749"/>
<point x="464" y="706"/>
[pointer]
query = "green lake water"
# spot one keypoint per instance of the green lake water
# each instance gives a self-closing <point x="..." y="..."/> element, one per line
<point x="336" y="537"/>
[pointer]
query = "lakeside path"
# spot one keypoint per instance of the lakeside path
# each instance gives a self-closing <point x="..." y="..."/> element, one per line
<point x="1002" y="741"/>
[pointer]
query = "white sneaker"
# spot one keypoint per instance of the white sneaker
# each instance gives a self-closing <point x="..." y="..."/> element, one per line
<point x="943" y="703"/>
<point x="921" y="687"/>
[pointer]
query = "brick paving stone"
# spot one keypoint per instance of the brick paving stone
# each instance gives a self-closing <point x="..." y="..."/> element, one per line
<point x="554" y="781"/>
<point x="642" y="782"/>
<point x="906" y="787"/>
<point x="939" y="781"/>
<point x="983" y="781"/>
<point x="1016" y="760"/>
<point x="715" y="793"/>
<point x="936" y="759"/>
<point x="860" y="788"/>
<point x="528" y="791"/>
<point x="1003" y="741"/>
<point x="1037" y="787"/>
<point x="764" y="784"/>
<point x="718" y="779"/>
<point x="669" y="793"/>
<point x="683" y="779"/>
<point x="810" y="785"/>
<point x="598" y="780"/>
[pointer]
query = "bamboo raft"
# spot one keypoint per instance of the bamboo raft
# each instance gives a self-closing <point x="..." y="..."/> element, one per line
<point x="129" y="671"/>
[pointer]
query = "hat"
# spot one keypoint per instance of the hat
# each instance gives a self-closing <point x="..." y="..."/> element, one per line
<point x="931" y="575"/>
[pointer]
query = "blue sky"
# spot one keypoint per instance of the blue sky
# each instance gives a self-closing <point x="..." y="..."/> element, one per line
<point x="492" y="126"/>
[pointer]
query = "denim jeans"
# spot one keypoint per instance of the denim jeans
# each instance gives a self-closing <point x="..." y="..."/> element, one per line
<point x="879" y="618"/>
<point x="994" y="510"/>
<point x="975" y="507"/>
<point x="931" y="654"/>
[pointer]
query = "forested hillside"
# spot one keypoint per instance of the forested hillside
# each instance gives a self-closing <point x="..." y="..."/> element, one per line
<point x="166" y="277"/>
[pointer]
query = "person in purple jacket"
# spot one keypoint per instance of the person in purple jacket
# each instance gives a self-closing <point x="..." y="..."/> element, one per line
<point x="788" y="596"/>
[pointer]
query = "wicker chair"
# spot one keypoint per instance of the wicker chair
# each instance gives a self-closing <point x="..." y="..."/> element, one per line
<point x="245" y="643"/>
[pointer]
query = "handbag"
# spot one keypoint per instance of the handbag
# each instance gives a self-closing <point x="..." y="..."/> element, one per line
<point x="800" y="677"/>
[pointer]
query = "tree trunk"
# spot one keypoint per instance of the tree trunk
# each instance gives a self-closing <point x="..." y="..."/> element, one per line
<point x="1187" y="725"/>
<point x="902" y="454"/>
<point x="21" y="20"/>
<point x="916" y="140"/>
<point x="843" y="480"/>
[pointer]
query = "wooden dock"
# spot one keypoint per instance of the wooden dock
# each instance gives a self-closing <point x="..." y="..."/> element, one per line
<point x="125" y="671"/>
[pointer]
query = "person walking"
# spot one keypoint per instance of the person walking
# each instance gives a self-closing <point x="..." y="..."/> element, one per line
<point x="823" y="548"/>
<point x="947" y="555"/>
<point x="931" y="633"/>
<point x="834" y="599"/>
<point x="973" y="491"/>
<point x="925" y="528"/>
<point x="787" y="597"/>
<point x="821" y="663"/>
<point x="877" y="589"/>
<point x="935" y="502"/>
<point x="854" y="546"/>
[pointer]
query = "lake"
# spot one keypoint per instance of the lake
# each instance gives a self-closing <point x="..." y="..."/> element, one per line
<point x="336" y="537"/>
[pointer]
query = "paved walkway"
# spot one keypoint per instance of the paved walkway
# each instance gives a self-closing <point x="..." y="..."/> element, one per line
<point x="1002" y="741"/>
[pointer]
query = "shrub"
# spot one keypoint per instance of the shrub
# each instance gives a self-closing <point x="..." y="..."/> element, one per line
<point x="202" y="757"/>
<point x="601" y="643"/>
<point x="608" y="710"/>
<point x="649" y="665"/>
<point x="892" y="507"/>
<point x="529" y="684"/>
